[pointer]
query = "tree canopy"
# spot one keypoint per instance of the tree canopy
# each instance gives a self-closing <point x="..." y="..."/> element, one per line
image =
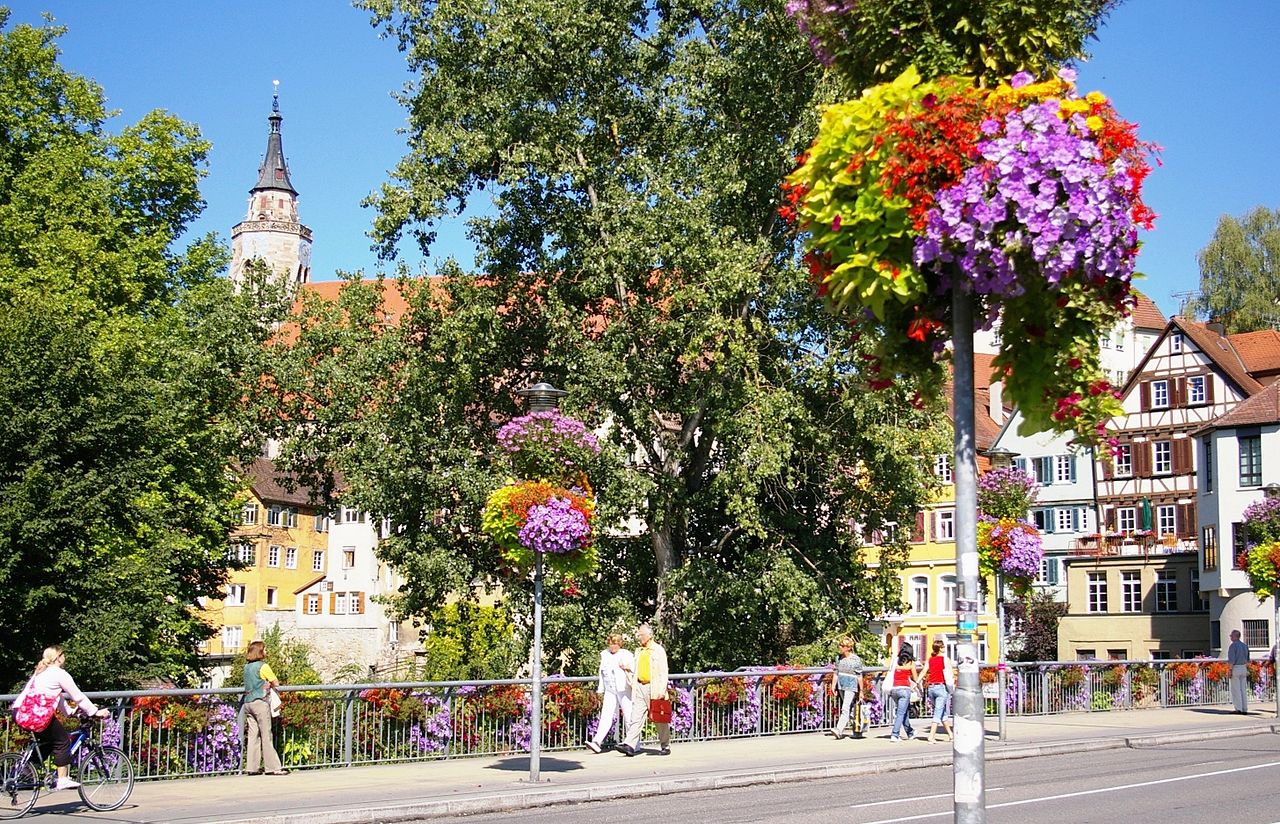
<point x="1240" y="272"/>
<point x="632" y="255"/>
<point x="123" y="365"/>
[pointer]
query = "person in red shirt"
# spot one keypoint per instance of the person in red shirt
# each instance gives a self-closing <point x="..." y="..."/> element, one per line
<point x="942" y="683"/>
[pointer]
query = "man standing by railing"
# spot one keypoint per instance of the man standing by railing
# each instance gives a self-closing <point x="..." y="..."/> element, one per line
<point x="1238" y="658"/>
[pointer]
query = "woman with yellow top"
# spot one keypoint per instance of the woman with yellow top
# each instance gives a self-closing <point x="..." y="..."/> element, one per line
<point x="258" y="679"/>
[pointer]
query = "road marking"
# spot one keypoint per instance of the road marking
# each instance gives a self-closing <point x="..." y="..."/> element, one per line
<point x="913" y="798"/>
<point x="1044" y="798"/>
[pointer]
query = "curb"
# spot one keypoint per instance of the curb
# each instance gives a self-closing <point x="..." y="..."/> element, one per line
<point x="533" y="798"/>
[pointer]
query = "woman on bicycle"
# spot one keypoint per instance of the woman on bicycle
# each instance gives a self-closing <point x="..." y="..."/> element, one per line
<point x="49" y="682"/>
<point x="258" y="679"/>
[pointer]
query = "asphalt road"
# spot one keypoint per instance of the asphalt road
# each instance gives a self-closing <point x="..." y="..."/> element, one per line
<point x="1223" y="780"/>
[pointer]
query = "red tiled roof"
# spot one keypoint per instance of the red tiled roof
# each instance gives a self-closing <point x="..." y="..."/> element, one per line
<point x="1146" y="315"/>
<point x="1259" y="410"/>
<point x="1260" y="351"/>
<point x="982" y="370"/>
<point x="268" y="485"/>
<point x="394" y="302"/>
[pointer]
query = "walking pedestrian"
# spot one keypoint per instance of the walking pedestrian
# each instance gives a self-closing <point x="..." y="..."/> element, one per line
<point x="614" y="686"/>
<point x="904" y="687"/>
<point x="648" y="681"/>
<point x="942" y="682"/>
<point x="848" y="679"/>
<point x="1238" y="658"/>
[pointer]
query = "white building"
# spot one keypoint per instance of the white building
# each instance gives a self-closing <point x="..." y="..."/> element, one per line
<point x="1239" y="464"/>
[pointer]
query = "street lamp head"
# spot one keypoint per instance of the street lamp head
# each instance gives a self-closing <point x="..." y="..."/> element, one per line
<point x="1271" y="490"/>
<point x="543" y="397"/>
<point x="1000" y="456"/>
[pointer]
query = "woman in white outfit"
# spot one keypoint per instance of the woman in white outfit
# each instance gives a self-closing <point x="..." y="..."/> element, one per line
<point x="615" y="689"/>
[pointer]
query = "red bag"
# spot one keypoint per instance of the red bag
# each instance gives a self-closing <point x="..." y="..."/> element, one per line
<point x="33" y="711"/>
<point x="660" y="710"/>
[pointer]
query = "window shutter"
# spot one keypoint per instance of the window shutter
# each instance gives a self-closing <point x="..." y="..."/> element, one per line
<point x="1020" y="464"/>
<point x="1111" y="519"/>
<point x="933" y="525"/>
<point x="359" y="605"/>
<point x="1186" y="520"/>
<point x="917" y="534"/>
<point x="1182" y="458"/>
<point x="1051" y="568"/>
<point x="1208" y="388"/>
<point x="1142" y="459"/>
<point x="1108" y="467"/>
<point x="1144" y="395"/>
<point x="333" y="603"/>
<point x="1075" y="519"/>
<point x="1072" y="465"/>
<point x="1179" y="391"/>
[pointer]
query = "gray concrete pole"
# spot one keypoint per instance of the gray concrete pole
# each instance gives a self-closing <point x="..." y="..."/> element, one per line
<point x="1275" y="652"/>
<point x="535" y="702"/>
<point x="1002" y="678"/>
<point x="969" y="747"/>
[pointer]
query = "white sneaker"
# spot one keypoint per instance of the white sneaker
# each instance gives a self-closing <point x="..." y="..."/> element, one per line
<point x="67" y="784"/>
<point x="893" y="738"/>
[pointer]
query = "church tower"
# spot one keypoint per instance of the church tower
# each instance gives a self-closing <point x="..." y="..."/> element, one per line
<point x="271" y="231"/>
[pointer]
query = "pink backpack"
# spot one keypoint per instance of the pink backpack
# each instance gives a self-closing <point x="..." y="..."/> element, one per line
<point x="33" y="711"/>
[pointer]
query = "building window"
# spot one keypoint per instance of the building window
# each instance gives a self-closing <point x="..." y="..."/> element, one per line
<point x="1167" y="520"/>
<point x="1117" y="655"/>
<point x="1119" y="341"/>
<point x="291" y="558"/>
<point x="1161" y="655"/>
<point x="1209" y="546"/>
<point x="946" y="525"/>
<point x="1256" y="632"/>
<point x="1163" y="457"/>
<point x="1195" y="389"/>
<point x="1042" y="519"/>
<point x="317" y="561"/>
<point x="291" y="518"/>
<point x="322" y="522"/>
<point x="393" y="633"/>
<point x="339" y="603"/>
<point x="348" y="557"/>
<point x="1104" y="341"/>
<point x="273" y="556"/>
<point x="1048" y="571"/>
<point x="1042" y="469"/>
<point x="1086" y="655"/>
<point x="1166" y="590"/>
<point x="1130" y="591"/>
<point x="248" y="554"/>
<point x="1199" y="600"/>
<point x="1127" y="519"/>
<point x="1065" y="518"/>
<point x="313" y="604"/>
<point x="271" y="596"/>
<point x="352" y="516"/>
<point x="1159" y="394"/>
<point x="1064" y="469"/>
<point x="942" y="468"/>
<point x="918" y="597"/>
<point x="1239" y="545"/>
<point x="1097" y="592"/>
<point x="947" y="587"/>
<point x="275" y="515"/>
<point x="232" y="638"/>
<point x="249" y="515"/>
<point x="1207" y="463"/>
<point x="1175" y="342"/>
<point x="1124" y="461"/>
<point x="235" y="595"/>
<point x="1250" y="460"/>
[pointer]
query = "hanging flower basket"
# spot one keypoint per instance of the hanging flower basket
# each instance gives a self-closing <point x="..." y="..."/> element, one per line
<point x="549" y="446"/>
<point x="1026" y="196"/>
<point x="1011" y="548"/>
<point x="538" y="516"/>
<point x="1262" y="563"/>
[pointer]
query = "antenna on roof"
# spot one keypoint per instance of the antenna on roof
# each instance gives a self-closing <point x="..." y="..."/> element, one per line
<point x="1184" y="300"/>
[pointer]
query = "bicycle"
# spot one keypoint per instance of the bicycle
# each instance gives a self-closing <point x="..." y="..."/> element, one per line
<point x="105" y="773"/>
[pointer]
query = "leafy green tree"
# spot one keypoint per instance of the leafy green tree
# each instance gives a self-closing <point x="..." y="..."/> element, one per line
<point x="633" y="152"/>
<point x="1239" y="273"/>
<point x="1037" y="620"/>
<point x="124" y="365"/>
<point x="873" y="41"/>
<point x="290" y="660"/>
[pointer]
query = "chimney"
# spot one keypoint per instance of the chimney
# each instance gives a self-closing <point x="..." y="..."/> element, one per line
<point x="996" y="389"/>
<point x="1217" y="327"/>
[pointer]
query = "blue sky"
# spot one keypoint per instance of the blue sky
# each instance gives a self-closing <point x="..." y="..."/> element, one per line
<point x="1194" y="74"/>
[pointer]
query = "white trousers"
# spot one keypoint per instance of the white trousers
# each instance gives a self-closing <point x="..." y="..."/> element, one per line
<point x="611" y="703"/>
<point x="1240" y="687"/>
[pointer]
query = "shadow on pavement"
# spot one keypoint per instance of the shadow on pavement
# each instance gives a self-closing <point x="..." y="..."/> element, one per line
<point x="521" y="764"/>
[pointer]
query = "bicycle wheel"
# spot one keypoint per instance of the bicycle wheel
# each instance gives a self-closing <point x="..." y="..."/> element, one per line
<point x="19" y="786"/>
<point x="106" y="778"/>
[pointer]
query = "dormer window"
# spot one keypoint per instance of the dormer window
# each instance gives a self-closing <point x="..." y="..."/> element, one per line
<point x="1175" y="342"/>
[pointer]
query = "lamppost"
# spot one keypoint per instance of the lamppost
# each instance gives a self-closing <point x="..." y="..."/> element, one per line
<point x="543" y="397"/>
<point x="1272" y="490"/>
<point x="1000" y="457"/>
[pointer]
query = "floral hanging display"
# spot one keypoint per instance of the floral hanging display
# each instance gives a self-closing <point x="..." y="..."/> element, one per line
<point x="1261" y="558"/>
<point x="1026" y="196"/>
<point x="538" y="516"/>
<point x="549" y="446"/>
<point x="1010" y="548"/>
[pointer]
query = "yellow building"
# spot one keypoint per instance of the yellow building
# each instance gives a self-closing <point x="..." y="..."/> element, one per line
<point x="282" y="541"/>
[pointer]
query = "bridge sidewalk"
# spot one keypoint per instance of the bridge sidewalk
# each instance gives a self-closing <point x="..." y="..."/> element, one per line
<point x="400" y="792"/>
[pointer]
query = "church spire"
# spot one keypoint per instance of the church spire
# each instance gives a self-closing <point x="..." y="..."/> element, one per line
<point x="274" y="172"/>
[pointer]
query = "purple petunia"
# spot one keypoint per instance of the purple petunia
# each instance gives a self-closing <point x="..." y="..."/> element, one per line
<point x="555" y="527"/>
